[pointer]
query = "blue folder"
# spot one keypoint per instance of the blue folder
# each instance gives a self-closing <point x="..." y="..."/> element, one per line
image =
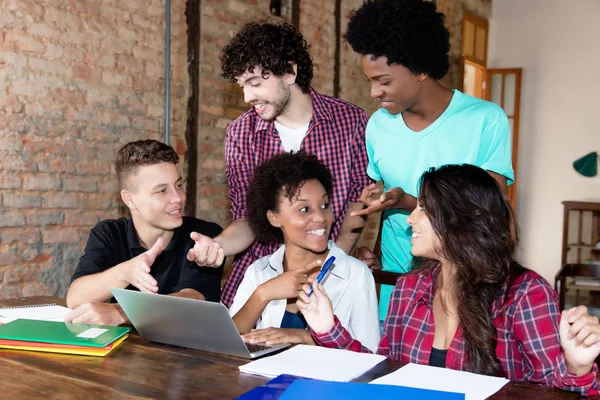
<point x="272" y="389"/>
<point x="316" y="389"/>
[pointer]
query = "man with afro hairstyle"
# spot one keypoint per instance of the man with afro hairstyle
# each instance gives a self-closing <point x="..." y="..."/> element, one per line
<point x="421" y="124"/>
<point x="272" y="65"/>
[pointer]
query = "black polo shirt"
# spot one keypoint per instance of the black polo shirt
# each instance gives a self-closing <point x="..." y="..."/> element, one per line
<point x="112" y="242"/>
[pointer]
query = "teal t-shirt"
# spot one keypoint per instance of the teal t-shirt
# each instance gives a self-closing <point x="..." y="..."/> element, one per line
<point x="470" y="131"/>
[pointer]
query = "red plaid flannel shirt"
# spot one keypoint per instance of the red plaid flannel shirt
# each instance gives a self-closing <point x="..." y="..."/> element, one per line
<point x="336" y="135"/>
<point x="526" y="322"/>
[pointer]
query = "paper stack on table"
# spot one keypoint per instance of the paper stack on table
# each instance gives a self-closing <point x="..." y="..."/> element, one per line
<point x="474" y="386"/>
<point x="314" y="362"/>
<point x="41" y="312"/>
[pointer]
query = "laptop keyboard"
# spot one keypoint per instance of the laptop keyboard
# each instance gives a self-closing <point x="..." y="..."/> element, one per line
<point x="253" y="348"/>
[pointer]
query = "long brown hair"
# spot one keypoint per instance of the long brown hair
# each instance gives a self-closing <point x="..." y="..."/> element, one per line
<point x="478" y="235"/>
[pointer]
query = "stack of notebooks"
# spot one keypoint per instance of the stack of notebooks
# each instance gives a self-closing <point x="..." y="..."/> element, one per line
<point x="52" y="335"/>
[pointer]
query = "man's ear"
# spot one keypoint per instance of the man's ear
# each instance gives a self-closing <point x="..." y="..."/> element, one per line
<point x="273" y="219"/>
<point x="127" y="198"/>
<point x="290" y="77"/>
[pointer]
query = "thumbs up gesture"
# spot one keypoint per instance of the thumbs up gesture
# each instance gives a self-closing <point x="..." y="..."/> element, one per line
<point x="137" y="270"/>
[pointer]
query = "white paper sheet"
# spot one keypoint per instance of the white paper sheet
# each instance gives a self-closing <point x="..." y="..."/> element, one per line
<point x="474" y="386"/>
<point x="40" y="313"/>
<point x="314" y="362"/>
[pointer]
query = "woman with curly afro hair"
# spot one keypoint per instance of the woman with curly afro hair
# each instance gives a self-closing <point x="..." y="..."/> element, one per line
<point x="271" y="63"/>
<point x="288" y="200"/>
<point x="404" y="48"/>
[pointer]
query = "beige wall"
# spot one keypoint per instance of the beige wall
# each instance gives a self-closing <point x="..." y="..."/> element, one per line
<point x="556" y="44"/>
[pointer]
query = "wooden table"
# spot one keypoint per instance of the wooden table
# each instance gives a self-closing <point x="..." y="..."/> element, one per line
<point x="140" y="369"/>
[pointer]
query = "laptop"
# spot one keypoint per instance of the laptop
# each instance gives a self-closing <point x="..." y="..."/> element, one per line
<point x="197" y="324"/>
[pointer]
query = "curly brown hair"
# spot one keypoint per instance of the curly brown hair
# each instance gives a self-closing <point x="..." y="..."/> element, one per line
<point x="139" y="153"/>
<point x="281" y="176"/>
<point x="272" y="47"/>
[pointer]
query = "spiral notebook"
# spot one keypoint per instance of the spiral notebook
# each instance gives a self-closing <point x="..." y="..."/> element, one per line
<point x="39" y="312"/>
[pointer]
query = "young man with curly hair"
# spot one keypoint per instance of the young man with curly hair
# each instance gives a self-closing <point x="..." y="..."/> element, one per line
<point x="272" y="65"/>
<point x="421" y="124"/>
<point x="146" y="252"/>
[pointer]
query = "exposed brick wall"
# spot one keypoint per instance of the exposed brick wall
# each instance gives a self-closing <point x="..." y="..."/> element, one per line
<point x="221" y="101"/>
<point x="78" y="79"/>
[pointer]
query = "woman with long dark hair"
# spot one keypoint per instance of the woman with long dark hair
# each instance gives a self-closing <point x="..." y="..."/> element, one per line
<point x="468" y="305"/>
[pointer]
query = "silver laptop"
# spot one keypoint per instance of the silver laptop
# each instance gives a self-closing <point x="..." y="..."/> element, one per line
<point x="196" y="324"/>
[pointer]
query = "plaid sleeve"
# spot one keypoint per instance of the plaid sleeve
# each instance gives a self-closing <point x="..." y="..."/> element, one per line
<point x="359" y="178"/>
<point x="237" y="170"/>
<point x="338" y="337"/>
<point x="536" y="329"/>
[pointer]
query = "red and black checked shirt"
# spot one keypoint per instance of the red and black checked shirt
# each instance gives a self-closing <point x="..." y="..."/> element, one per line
<point x="336" y="135"/>
<point x="526" y="323"/>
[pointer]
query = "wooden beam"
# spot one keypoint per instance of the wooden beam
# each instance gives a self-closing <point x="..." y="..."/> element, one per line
<point x="192" y="16"/>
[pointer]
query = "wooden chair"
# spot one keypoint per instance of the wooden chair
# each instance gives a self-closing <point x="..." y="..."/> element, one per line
<point x="565" y="280"/>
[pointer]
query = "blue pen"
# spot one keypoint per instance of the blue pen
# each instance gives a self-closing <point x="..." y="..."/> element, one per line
<point x="323" y="272"/>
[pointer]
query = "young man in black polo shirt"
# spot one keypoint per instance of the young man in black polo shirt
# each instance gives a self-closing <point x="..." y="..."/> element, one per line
<point x="147" y="252"/>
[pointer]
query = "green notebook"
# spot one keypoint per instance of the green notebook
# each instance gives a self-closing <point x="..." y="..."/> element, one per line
<point x="29" y="330"/>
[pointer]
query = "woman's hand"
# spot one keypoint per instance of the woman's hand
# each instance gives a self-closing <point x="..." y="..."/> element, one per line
<point x="271" y="336"/>
<point x="579" y="339"/>
<point x="317" y="308"/>
<point x="287" y="285"/>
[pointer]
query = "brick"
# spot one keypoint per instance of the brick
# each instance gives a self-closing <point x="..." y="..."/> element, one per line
<point x="44" y="217"/>
<point x="41" y="182"/>
<point x="11" y="218"/>
<point x="157" y="71"/>
<point x="60" y="235"/>
<point x="22" y="273"/>
<point x="15" y="200"/>
<point x="144" y="123"/>
<point x="147" y="53"/>
<point x="27" y="235"/>
<point x="57" y="165"/>
<point x="214" y="110"/>
<point x="99" y="202"/>
<point x="238" y="7"/>
<point x="53" y="51"/>
<point x="44" y="107"/>
<point x="19" y="42"/>
<point x="108" y="187"/>
<point x="11" y="144"/>
<point x="10" y="255"/>
<point x="213" y="165"/>
<point x="83" y="7"/>
<point x="10" y="181"/>
<point x="80" y="184"/>
<point x="37" y="289"/>
<point x="116" y="79"/>
<point x="45" y="146"/>
<point x="27" y="89"/>
<point x="67" y="21"/>
<point x="128" y="63"/>
<point x="71" y="97"/>
<point x="87" y="218"/>
<point x="87" y="74"/>
<point x="60" y="200"/>
<point x="180" y="147"/>
<point x="43" y="30"/>
<point x="9" y="291"/>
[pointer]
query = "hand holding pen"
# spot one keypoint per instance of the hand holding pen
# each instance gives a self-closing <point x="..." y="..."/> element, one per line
<point x="317" y="309"/>
<point x="326" y="267"/>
